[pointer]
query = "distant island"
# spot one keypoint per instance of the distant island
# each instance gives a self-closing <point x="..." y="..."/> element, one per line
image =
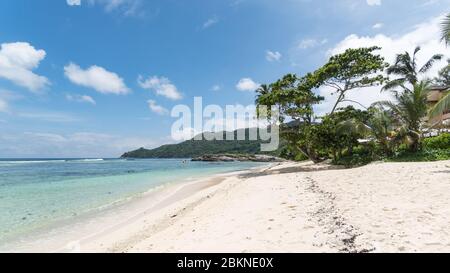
<point x="203" y="148"/>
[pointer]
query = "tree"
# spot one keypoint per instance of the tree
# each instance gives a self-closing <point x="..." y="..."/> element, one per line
<point x="441" y="106"/>
<point x="379" y="126"/>
<point x="406" y="68"/>
<point x="446" y="29"/>
<point x="443" y="77"/>
<point x="295" y="100"/>
<point x="332" y="139"/>
<point x="408" y="110"/>
<point x="353" y="69"/>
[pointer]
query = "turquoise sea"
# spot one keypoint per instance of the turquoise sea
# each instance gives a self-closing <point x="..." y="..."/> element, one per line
<point x="37" y="193"/>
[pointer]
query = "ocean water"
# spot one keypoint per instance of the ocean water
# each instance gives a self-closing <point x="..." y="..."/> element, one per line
<point x="36" y="193"/>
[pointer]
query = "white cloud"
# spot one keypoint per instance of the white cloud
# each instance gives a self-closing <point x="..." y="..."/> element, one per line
<point x="55" y="117"/>
<point x="374" y="2"/>
<point x="247" y="84"/>
<point x="426" y="35"/>
<point x="378" y="26"/>
<point x="17" y="61"/>
<point x="272" y="56"/>
<point x="81" y="98"/>
<point x="6" y="97"/>
<point x="155" y="108"/>
<point x="310" y="43"/>
<point x="127" y="7"/>
<point x="96" y="77"/>
<point x="216" y="87"/>
<point x="3" y="106"/>
<point x="161" y="85"/>
<point x="74" y="2"/>
<point x="210" y="22"/>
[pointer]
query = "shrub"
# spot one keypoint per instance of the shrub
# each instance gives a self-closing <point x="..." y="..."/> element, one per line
<point x="423" y="155"/>
<point x="438" y="142"/>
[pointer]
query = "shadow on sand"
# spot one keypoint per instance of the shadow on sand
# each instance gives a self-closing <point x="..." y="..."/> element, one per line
<point x="302" y="167"/>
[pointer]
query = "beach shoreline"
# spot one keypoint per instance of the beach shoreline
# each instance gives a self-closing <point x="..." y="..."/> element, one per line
<point x="68" y="234"/>
<point x="289" y="207"/>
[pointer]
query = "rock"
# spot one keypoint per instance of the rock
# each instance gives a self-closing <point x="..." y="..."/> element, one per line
<point x="231" y="158"/>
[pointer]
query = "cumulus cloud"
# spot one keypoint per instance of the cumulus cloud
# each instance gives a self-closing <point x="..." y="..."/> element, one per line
<point x="74" y="2"/>
<point x="272" y="56"/>
<point x="247" y="84"/>
<point x="374" y="2"/>
<point x="17" y="62"/>
<point x="97" y="78"/>
<point x="81" y="98"/>
<point x="155" y="108"/>
<point x="426" y="35"/>
<point x="161" y="85"/>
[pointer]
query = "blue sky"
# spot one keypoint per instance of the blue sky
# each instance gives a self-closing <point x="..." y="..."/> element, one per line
<point x="95" y="78"/>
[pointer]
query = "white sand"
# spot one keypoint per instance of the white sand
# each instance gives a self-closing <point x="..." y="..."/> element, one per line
<point x="296" y="207"/>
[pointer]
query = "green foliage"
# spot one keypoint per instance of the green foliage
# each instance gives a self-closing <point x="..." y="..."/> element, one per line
<point x="442" y="106"/>
<point x="195" y="148"/>
<point x="391" y="130"/>
<point x="438" y="142"/>
<point x="353" y="69"/>
<point x="405" y="67"/>
<point x="408" y="111"/>
<point x="422" y="155"/>
<point x="362" y="155"/>
<point x="443" y="78"/>
<point x="446" y="29"/>
<point x="331" y="139"/>
<point x="294" y="99"/>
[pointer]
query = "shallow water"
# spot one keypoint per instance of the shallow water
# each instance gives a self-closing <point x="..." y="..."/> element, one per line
<point x="34" y="194"/>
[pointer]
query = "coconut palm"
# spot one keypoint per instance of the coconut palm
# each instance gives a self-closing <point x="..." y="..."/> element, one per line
<point x="379" y="127"/>
<point x="409" y="110"/>
<point x="443" y="78"/>
<point x="446" y="29"/>
<point x="442" y="106"/>
<point x="407" y="69"/>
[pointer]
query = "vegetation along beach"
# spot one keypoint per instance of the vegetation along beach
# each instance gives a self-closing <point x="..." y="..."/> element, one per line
<point x="236" y="127"/>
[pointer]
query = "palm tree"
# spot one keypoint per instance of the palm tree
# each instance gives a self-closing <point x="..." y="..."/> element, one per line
<point x="443" y="78"/>
<point x="441" y="106"/>
<point x="406" y="67"/>
<point x="379" y="127"/>
<point x="446" y="29"/>
<point x="409" y="110"/>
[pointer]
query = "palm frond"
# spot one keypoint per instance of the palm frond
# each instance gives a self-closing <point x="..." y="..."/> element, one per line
<point x="446" y="29"/>
<point x="353" y="126"/>
<point x="393" y="84"/>
<point x="430" y="63"/>
<point x="441" y="107"/>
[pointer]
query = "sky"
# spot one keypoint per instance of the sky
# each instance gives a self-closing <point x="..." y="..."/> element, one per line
<point x="97" y="78"/>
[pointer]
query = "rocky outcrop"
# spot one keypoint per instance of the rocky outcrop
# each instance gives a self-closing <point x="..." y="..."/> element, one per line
<point x="231" y="158"/>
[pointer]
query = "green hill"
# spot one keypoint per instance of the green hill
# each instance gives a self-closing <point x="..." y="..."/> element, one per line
<point x="195" y="148"/>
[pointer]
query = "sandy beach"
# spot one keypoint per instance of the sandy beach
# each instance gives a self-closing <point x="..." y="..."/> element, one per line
<point x="294" y="207"/>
